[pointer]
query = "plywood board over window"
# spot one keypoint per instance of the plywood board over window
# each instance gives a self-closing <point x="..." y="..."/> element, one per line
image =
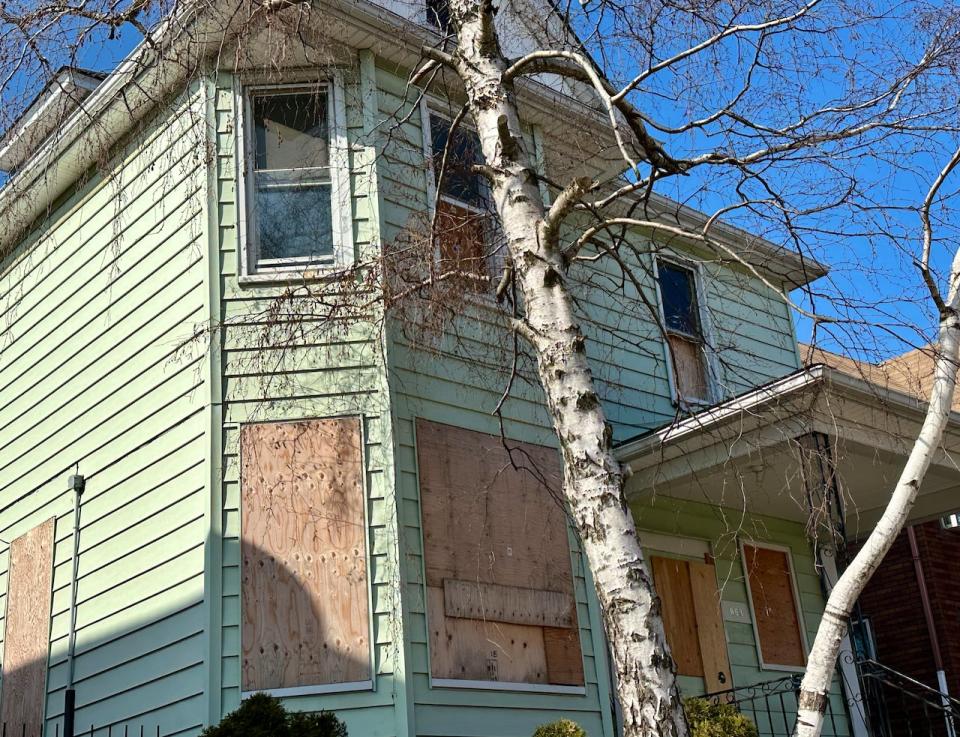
<point x="500" y="596"/>
<point x="692" y="619"/>
<point x="774" y="600"/>
<point x="304" y="570"/>
<point x="27" y="637"/>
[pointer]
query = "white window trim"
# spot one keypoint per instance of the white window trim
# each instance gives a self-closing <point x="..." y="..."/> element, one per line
<point x="764" y="665"/>
<point x="546" y="688"/>
<point x="330" y="688"/>
<point x="340" y="195"/>
<point x="706" y="327"/>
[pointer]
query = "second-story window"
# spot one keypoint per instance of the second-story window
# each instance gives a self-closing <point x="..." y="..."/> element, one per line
<point x="685" y="335"/>
<point x="292" y="176"/>
<point x="462" y="221"/>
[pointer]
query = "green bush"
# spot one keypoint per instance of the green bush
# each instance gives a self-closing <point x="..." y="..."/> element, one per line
<point x="264" y="716"/>
<point x="709" y="719"/>
<point x="560" y="728"/>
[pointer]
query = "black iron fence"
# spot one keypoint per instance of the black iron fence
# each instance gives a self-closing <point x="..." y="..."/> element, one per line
<point x="899" y="706"/>
<point x="56" y="730"/>
<point x="772" y="705"/>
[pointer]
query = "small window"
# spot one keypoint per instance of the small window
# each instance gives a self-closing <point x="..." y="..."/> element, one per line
<point x="291" y="222"/>
<point x="685" y="335"/>
<point x="438" y="14"/>
<point x="776" y="611"/>
<point x="462" y="221"/>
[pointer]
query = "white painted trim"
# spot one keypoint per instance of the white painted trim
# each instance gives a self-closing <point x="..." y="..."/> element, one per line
<point x="846" y="658"/>
<point x="341" y="197"/>
<point x="796" y="605"/>
<point x="330" y="688"/>
<point x="508" y="686"/>
<point x="689" y="547"/>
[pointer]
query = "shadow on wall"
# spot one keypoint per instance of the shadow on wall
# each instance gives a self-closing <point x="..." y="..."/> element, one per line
<point x="147" y="676"/>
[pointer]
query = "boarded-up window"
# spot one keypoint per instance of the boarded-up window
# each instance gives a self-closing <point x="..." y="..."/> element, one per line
<point x="684" y="328"/>
<point x="27" y="636"/>
<point x="304" y="598"/>
<point x="463" y="203"/>
<point x="692" y="619"/>
<point x="461" y="240"/>
<point x="774" y="606"/>
<point x="500" y="597"/>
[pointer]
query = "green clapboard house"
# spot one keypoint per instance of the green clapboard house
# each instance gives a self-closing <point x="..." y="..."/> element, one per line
<point x="321" y="506"/>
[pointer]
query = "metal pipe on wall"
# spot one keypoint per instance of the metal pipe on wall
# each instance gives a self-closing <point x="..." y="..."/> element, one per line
<point x="931" y="625"/>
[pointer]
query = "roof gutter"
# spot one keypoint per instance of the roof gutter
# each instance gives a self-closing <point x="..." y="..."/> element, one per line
<point x="148" y="73"/>
<point x="754" y="401"/>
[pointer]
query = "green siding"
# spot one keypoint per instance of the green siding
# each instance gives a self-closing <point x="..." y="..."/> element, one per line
<point x="324" y="371"/>
<point x="98" y="374"/>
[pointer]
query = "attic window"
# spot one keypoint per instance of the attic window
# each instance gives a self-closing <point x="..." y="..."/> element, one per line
<point x="680" y="305"/>
<point x="294" y="171"/>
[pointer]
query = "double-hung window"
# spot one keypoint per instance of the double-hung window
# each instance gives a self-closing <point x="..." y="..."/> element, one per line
<point x="685" y="333"/>
<point x="294" y="169"/>
<point x="462" y="222"/>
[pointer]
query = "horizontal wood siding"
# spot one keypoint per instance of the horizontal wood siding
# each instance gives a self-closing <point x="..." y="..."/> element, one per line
<point x="98" y="376"/>
<point x="325" y="371"/>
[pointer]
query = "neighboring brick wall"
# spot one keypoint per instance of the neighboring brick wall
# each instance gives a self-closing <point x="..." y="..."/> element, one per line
<point x="892" y="602"/>
<point x="940" y="554"/>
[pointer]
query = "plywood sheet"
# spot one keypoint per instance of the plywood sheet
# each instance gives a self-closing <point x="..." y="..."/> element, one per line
<point x="690" y="367"/>
<point x="710" y="630"/>
<point x="511" y="604"/>
<point x="564" y="660"/>
<point x="774" y="606"/>
<point x="672" y="580"/>
<point x="489" y="525"/>
<point x="305" y="600"/>
<point x="466" y="649"/>
<point x="27" y="636"/>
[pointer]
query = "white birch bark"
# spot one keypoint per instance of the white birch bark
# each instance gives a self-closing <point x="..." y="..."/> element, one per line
<point x="593" y="478"/>
<point x="822" y="661"/>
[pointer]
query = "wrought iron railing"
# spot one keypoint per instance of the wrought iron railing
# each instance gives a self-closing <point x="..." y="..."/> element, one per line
<point x="897" y="705"/>
<point x="772" y="705"/>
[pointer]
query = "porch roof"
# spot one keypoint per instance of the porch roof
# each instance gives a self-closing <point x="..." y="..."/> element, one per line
<point x="754" y="452"/>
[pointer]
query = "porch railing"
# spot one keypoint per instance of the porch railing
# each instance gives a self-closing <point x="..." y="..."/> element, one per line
<point x="772" y="705"/>
<point x="899" y="706"/>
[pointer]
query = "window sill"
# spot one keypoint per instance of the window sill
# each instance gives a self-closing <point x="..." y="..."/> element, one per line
<point x="283" y="278"/>
<point x="330" y="688"/>
<point x="508" y="686"/>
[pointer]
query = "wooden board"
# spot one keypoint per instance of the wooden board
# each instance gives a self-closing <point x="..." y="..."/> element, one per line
<point x="27" y="638"/>
<point x="711" y="634"/>
<point x="489" y="524"/>
<point x="466" y="649"/>
<point x="564" y="661"/>
<point x="672" y="580"/>
<point x="511" y="604"/>
<point x="690" y="367"/>
<point x="304" y="593"/>
<point x="774" y="606"/>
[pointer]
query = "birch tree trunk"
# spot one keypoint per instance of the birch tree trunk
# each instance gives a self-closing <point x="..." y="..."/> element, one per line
<point x="593" y="478"/>
<point x="822" y="660"/>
